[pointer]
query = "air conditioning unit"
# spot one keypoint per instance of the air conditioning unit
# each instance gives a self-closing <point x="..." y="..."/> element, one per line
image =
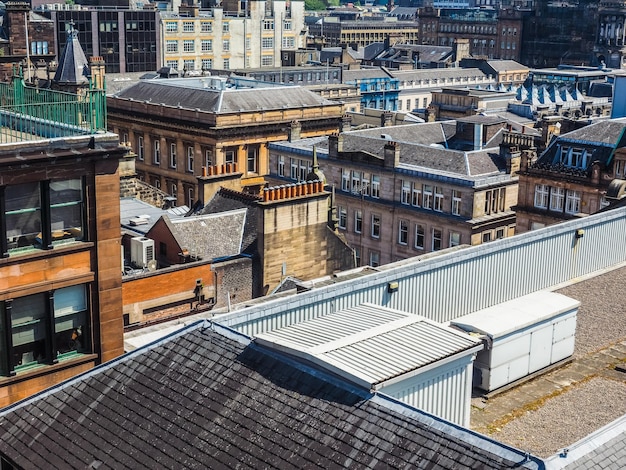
<point x="141" y="251"/>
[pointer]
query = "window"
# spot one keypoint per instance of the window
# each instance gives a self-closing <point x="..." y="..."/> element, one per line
<point x="293" y="174"/>
<point x="438" y="203"/>
<point x="171" y="46"/>
<point x="365" y="184"/>
<point x="226" y="45"/>
<point x="189" y="201"/>
<point x="207" y="64"/>
<point x="427" y="201"/>
<point x="206" y="27"/>
<point x="230" y="156"/>
<point x="403" y="232"/>
<point x="374" y="259"/>
<point x="343" y="217"/>
<point x="45" y="327"/>
<point x="225" y="27"/>
<point x="557" y="198"/>
<point x="157" y="152"/>
<point x="305" y="168"/>
<point x="358" y="222"/>
<point x="375" y="226"/>
<point x="208" y="157"/>
<point x="281" y="165"/>
<point x="456" y="202"/>
<point x="356" y="181"/>
<point x="419" y="236"/>
<point x="494" y="200"/>
<point x="173" y="64"/>
<point x="287" y="25"/>
<point x="406" y="192"/>
<point x="267" y="43"/>
<point x="345" y="180"/>
<point x="572" y="202"/>
<point x="541" y="196"/>
<point x="188" y="45"/>
<point x="173" y="155"/>
<point x="171" y="26"/>
<point x="41" y="215"/>
<point x="40" y="47"/>
<point x="416" y="195"/>
<point x="573" y="157"/>
<point x="486" y="237"/>
<point x="436" y="239"/>
<point x="188" y="26"/>
<point x="189" y="64"/>
<point x="173" y="190"/>
<point x="268" y="25"/>
<point x="252" y="157"/>
<point x="140" y="149"/>
<point x="289" y="43"/>
<point x="226" y="64"/>
<point x="500" y="233"/>
<point x="267" y="60"/>
<point x="190" y="153"/>
<point x="207" y="45"/>
<point x="455" y="239"/>
<point x="357" y="256"/>
<point x="375" y="186"/>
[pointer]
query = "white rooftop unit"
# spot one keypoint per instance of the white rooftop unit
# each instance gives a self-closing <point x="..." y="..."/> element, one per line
<point x="415" y="360"/>
<point x="141" y="251"/>
<point x="523" y="336"/>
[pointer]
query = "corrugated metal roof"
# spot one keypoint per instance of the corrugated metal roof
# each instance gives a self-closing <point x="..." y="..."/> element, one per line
<point x="370" y="344"/>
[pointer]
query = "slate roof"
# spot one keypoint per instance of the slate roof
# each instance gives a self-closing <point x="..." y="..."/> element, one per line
<point x="187" y="94"/>
<point x="73" y="67"/>
<point x="228" y="200"/>
<point x="364" y="74"/>
<point x="604" y="449"/>
<point x="442" y="73"/>
<point x="606" y="132"/>
<point x="601" y="138"/>
<point x="423" y="145"/>
<point x="209" y="236"/>
<point x="203" y="398"/>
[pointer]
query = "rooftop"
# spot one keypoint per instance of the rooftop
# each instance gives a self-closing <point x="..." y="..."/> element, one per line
<point x="206" y="397"/>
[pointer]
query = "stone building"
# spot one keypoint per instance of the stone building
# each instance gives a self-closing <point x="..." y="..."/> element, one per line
<point x="180" y="127"/>
<point x="25" y="36"/>
<point x="412" y="189"/>
<point x="60" y="283"/>
<point x="492" y="34"/>
<point x="571" y="178"/>
<point x="330" y="31"/>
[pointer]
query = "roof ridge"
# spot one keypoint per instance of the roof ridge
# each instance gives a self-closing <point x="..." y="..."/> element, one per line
<point x="239" y="195"/>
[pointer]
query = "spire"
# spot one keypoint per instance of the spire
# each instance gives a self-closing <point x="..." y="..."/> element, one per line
<point x="73" y="68"/>
<point x="316" y="174"/>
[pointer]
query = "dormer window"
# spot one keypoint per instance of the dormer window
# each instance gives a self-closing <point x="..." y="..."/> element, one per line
<point x="573" y="157"/>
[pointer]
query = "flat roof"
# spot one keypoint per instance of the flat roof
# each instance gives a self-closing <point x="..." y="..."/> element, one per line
<point x="507" y="317"/>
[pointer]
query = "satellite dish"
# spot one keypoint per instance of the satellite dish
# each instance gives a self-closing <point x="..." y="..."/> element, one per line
<point x="152" y="265"/>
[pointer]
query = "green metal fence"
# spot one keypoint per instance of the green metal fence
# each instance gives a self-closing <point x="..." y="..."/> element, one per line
<point x="28" y="113"/>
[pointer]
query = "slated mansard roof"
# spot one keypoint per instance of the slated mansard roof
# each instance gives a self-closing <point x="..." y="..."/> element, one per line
<point x="423" y="145"/>
<point x="229" y="100"/>
<point x="208" y="399"/>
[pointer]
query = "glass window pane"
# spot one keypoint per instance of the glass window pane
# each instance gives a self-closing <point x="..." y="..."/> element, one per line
<point x="28" y="329"/>
<point x="70" y="315"/>
<point x="66" y="209"/>
<point x="23" y="215"/>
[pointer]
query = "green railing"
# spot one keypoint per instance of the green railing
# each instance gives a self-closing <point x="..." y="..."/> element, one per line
<point x="28" y="113"/>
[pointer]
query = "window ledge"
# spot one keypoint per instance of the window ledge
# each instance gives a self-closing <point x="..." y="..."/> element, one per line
<point x="60" y="249"/>
<point x="45" y="369"/>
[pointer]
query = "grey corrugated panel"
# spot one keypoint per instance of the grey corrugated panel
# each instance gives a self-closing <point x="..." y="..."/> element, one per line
<point x="460" y="282"/>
